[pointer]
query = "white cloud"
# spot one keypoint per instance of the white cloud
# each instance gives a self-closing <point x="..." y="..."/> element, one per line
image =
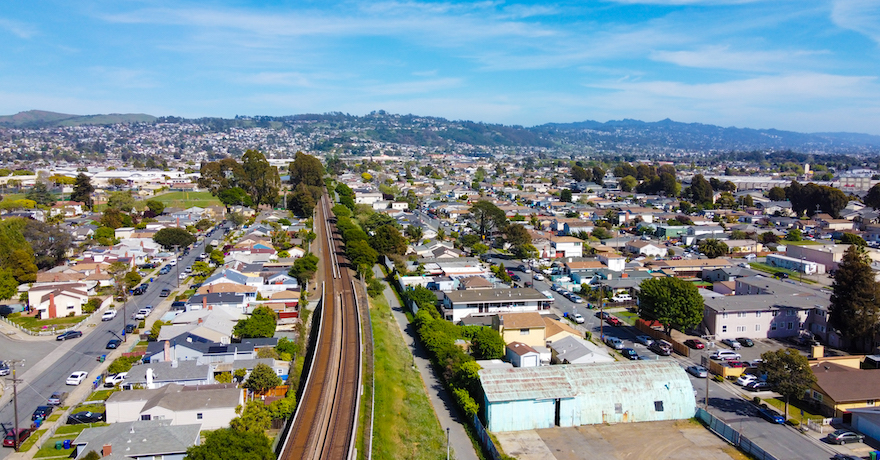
<point x="862" y="16"/>
<point x="413" y="87"/>
<point x="722" y="57"/>
<point x="686" y="2"/>
<point x="19" y="29"/>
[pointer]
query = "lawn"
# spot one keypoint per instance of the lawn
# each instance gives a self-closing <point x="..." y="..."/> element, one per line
<point x="794" y="409"/>
<point x="187" y="199"/>
<point x="29" y="442"/>
<point x="101" y="395"/>
<point x="49" y="451"/>
<point x="793" y="275"/>
<point x="34" y="324"/>
<point x="405" y="424"/>
<point x="627" y="317"/>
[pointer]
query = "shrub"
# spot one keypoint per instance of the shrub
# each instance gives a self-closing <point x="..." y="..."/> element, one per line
<point x="756" y="400"/>
<point x="465" y="401"/>
<point x="92" y="305"/>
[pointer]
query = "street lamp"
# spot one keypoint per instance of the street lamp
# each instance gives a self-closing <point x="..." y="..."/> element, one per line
<point x="15" y="381"/>
<point x="447" y="443"/>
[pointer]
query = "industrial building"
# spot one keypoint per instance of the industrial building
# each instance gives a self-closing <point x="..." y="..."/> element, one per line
<point x="530" y="398"/>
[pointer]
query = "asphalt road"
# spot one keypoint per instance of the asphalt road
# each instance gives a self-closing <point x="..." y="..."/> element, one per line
<point x="82" y="353"/>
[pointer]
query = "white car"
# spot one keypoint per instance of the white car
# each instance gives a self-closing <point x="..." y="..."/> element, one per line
<point x="183" y="276"/>
<point x="622" y="298"/>
<point x="746" y="379"/>
<point x="77" y="377"/>
<point x="142" y="314"/>
<point x="578" y="318"/>
<point x="115" y="379"/>
<point x="538" y="277"/>
<point x="108" y="315"/>
<point x="644" y="339"/>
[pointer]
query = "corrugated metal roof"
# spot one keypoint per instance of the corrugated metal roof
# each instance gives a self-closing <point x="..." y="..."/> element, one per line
<point x="568" y="381"/>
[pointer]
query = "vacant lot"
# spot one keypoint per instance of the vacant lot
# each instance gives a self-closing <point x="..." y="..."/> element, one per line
<point x="187" y="199"/>
<point x="677" y="440"/>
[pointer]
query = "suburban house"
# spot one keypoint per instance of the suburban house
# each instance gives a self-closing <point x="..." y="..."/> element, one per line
<point x="645" y="248"/>
<point x="458" y="304"/>
<point x="566" y="246"/>
<point x="840" y="388"/>
<point x="138" y="440"/>
<point x="526" y="328"/>
<point x="575" y="350"/>
<point x="56" y="300"/>
<point x="158" y="374"/>
<point x="687" y="268"/>
<point x="189" y="347"/>
<point x="212" y="406"/>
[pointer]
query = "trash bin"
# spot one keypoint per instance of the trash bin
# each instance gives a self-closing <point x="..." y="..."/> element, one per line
<point x="102" y="358"/>
<point x="67" y="443"/>
<point x="38" y="422"/>
<point x="59" y="445"/>
<point x="874" y="455"/>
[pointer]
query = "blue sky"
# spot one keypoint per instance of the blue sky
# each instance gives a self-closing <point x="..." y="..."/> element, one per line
<point x="801" y="65"/>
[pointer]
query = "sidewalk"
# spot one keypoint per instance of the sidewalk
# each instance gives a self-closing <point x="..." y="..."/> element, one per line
<point x="443" y="404"/>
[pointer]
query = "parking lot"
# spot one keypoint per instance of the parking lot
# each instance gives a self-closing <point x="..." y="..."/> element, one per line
<point x="684" y="440"/>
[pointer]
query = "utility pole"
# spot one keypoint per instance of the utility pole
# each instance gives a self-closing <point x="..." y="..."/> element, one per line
<point x="602" y="313"/>
<point x="13" y="363"/>
<point x="177" y="264"/>
<point x="447" y="443"/>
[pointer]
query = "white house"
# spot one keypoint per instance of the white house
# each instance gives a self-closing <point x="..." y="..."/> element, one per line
<point x="645" y="248"/>
<point x="566" y="246"/>
<point x="522" y="355"/>
<point x="58" y="300"/>
<point x="213" y="406"/>
<point x="484" y="302"/>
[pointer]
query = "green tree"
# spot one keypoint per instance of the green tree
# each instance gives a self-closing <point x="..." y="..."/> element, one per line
<point x="307" y="170"/>
<point x="700" y="190"/>
<point x="579" y="174"/>
<point x="156" y="329"/>
<point x="83" y="190"/>
<point x="739" y="235"/>
<point x="21" y="263"/>
<point x="122" y="201"/>
<point x="788" y="372"/>
<point x="713" y="248"/>
<point x="261" y="323"/>
<point x="628" y="183"/>
<point x="8" y="284"/>
<point x="776" y="194"/>
<point x="216" y="257"/>
<point x="132" y="279"/>
<point x="565" y="195"/>
<point x="156" y="207"/>
<point x="598" y="175"/>
<point x="259" y="178"/>
<point x="851" y="238"/>
<point x="488" y="344"/>
<point x="254" y="416"/>
<point x="40" y="193"/>
<point x="872" y="199"/>
<point x="92" y="455"/>
<point x="201" y="268"/>
<point x="302" y="202"/>
<point x="854" y="311"/>
<point x="235" y="196"/>
<point x="262" y="378"/>
<point x="424" y="298"/>
<point x="231" y="444"/>
<point x="304" y="268"/>
<point x="362" y="255"/>
<point x="173" y="236"/>
<point x="674" y="302"/>
<point x="794" y="235"/>
<point x="387" y="240"/>
<point x="414" y="233"/>
<point x="485" y="218"/>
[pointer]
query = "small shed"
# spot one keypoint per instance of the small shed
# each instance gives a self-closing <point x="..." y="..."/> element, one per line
<point x="522" y="355"/>
<point x="528" y="398"/>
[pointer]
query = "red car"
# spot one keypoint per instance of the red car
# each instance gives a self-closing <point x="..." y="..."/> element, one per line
<point x="737" y="364"/>
<point x="612" y="320"/>
<point x="695" y="344"/>
<point x="9" y="440"/>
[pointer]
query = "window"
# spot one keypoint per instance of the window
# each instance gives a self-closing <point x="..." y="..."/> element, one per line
<point x="724" y="315"/>
<point x="775" y="313"/>
<point x="740" y="329"/>
<point x="658" y="406"/>
<point x="618" y="408"/>
<point x="199" y="416"/>
<point x="869" y="402"/>
<point x="741" y="314"/>
<point x="145" y="417"/>
<point x="757" y="314"/>
<point x="757" y="327"/>
<point x="724" y="328"/>
<point x="817" y="396"/>
<point x="772" y="326"/>
<point x="523" y="332"/>
<point x="790" y="326"/>
<point x="791" y="313"/>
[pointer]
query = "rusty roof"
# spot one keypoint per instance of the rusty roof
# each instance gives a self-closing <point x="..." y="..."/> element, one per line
<point x="527" y="320"/>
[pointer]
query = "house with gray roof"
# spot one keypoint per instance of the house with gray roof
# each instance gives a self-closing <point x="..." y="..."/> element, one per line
<point x="212" y="406"/>
<point x="163" y="373"/>
<point x="138" y="440"/>
<point x="190" y="347"/>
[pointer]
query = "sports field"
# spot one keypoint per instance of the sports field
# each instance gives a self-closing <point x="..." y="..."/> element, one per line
<point x="187" y="199"/>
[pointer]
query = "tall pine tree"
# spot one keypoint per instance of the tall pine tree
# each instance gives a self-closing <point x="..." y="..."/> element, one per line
<point x="854" y="311"/>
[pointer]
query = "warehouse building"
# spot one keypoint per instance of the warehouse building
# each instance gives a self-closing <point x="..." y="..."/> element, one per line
<point x="571" y="395"/>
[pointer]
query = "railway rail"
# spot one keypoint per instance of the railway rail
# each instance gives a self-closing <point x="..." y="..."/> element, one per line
<point x="324" y="425"/>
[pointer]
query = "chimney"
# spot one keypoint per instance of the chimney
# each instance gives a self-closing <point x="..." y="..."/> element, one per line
<point x="200" y="321"/>
<point x="204" y="302"/>
<point x="52" y="309"/>
<point x="106" y="451"/>
<point x="167" y="351"/>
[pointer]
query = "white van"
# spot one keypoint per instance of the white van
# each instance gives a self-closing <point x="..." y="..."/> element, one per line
<point x="622" y="298"/>
<point x="725" y="355"/>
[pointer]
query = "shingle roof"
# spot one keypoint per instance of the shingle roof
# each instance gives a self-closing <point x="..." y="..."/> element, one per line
<point x="140" y="438"/>
<point x="845" y="384"/>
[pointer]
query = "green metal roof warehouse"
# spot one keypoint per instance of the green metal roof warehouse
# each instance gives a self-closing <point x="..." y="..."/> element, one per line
<point x="584" y="394"/>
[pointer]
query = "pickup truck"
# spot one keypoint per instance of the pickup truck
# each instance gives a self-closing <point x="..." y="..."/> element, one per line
<point x="57" y="398"/>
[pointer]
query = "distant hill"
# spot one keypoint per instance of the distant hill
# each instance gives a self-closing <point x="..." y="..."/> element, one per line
<point x="42" y="118"/>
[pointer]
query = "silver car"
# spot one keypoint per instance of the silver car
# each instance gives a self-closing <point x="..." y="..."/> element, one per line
<point x="699" y="372"/>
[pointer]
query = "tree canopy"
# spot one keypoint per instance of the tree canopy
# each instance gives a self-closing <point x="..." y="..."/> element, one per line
<point x="812" y="198"/>
<point x="231" y="444"/>
<point x="173" y="236"/>
<point x="713" y="248"/>
<point x="82" y="190"/>
<point x="854" y="311"/>
<point x="387" y="240"/>
<point x="304" y="268"/>
<point x="488" y="344"/>
<point x="262" y="378"/>
<point x="674" y="302"/>
<point x="485" y="218"/>
<point x="307" y="170"/>
<point x="261" y="323"/>
<point x="788" y="372"/>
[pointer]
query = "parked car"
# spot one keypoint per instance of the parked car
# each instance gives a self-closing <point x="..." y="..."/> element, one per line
<point x="613" y="320"/>
<point x="108" y="315"/>
<point x="115" y="379"/>
<point x="578" y="318"/>
<point x="622" y="298"/>
<point x="139" y="290"/>
<point x="614" y="342"/>
<point x="757" y="385"/>
<point x="697" y="371"/>
<point x="644" y="339"/>
<point x="9" y="440"/>
<point x="732" y="344"/>
<point x="57" y="398"/>
<point x="725" y="355"/>
<point x="129" y="328"/>
<point x="142" y="314"/>
<point x="42" y="412"/>
<point x="771" y="415"/>
<point x="845" y="436"/>
<point x="845" y="457"/>
<point x="661" y="347"/>
<point x="85" y="417"/>
<point x="538" y="277"/>
<point x="735" y="363"/>
<point x="630" y="353"/>
<point x="780" y="275"/>
<point x="113" y="344"/>
<point x="602" y="314"/>
<point x="183" y="276"/>
<point x="69" y="335"/>
<point x="746" y="379"/>
<point x="745" y="341"/>
<point x="4" y="369"/>
<point x="77" y="377"/>
<point x="576" y="298"/>
<point x="165" y="293"/>
<point x="696" y="344"/>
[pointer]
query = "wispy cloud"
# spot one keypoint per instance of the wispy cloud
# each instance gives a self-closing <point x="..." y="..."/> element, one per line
<point x="722" y="57"/>
<point x="414" y="87"/>
<point x="125" y="78"/>
<point x="19" y="29"/>
<point x="862" y="16"/>
<point x="686" y="2"/>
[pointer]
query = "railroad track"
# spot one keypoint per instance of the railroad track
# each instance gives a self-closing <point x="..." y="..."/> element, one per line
<point x="324" y="425"/>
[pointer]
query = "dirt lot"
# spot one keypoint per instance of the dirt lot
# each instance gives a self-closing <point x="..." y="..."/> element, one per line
<point x="677" y="440"/>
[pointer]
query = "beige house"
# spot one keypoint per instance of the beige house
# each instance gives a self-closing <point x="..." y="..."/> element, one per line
<point x="58" y="300"/>
<point x="212" y="406"/>
<point x="527" y="328"/>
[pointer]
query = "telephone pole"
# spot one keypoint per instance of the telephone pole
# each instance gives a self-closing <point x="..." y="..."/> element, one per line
<point x="13" y="363"/>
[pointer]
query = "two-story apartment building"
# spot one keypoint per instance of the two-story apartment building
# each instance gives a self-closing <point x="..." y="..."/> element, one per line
<point x="481" y="302"/>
